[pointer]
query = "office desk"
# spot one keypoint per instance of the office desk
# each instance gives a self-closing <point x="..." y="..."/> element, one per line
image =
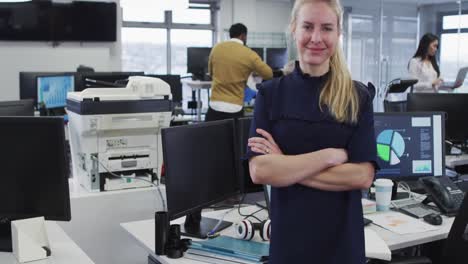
<point x="395" y="241"/>
<point x="198" y="86"/>
<point x="64" y="250"/>
<point x="96" y="217"/>
<point x="143" y="233"/>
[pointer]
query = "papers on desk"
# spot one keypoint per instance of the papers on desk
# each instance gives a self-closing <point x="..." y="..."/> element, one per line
<point x="376" y="248"/>
<point x="400" y="223"/>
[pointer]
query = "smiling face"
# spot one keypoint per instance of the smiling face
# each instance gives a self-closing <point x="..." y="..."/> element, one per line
<point x="316" y="33"/>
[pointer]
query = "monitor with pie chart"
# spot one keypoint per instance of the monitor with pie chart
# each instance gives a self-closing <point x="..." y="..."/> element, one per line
<point x="410" y="145"/>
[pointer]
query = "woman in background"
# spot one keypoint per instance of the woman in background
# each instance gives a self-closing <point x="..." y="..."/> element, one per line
<point x="423" y="66"/>
<point x="312" y="139"/>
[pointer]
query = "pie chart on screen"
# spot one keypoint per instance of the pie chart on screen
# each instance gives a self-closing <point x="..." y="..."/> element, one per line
<point x="390" y="146"/>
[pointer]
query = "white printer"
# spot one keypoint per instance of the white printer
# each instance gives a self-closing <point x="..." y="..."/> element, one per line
<point x="114" y="133"/>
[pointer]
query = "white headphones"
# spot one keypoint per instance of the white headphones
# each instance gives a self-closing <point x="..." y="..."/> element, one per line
<point x="246" y="229"/>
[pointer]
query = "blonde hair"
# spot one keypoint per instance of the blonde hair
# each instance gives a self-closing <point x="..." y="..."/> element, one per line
<point x="338" y="93"/>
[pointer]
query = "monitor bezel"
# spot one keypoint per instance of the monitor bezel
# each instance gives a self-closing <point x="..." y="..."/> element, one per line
<point x="174" y="215"/>
<point x="54" y="75"/>
<point x="456" y="137"/>
<point x="28" y="83"/>
<point x="416" y="114"/>
<point x="63" y="165"/>
<point x="195" y="68"/>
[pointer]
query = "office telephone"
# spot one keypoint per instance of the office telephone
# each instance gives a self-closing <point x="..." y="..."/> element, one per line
<point x="444" y="193"/>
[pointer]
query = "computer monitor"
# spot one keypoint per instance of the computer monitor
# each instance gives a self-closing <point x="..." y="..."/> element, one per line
<point x="17" y="108"/>
<point x="410" y="144"/>
<point x="259" y="51"/>
<point x="276" y="58"/>
<point x="197" y="62"/>
<point x="243" y="132"/>
<point x="104" y="79"/>
<point x="200" y="165"/>
<point x="52" y="90"/>
<point x="452" y="104"/>
<point x="28" y="83"/>
<point x="34" y="177"/>
<point x="175" y="84"/>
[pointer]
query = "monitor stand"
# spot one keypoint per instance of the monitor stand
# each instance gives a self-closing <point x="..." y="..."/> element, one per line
<point x="5" y="236"/>
<point x="198" y="227"/>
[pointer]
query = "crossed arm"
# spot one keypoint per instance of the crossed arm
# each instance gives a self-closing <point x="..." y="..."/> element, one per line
<point x="325" y="169"/>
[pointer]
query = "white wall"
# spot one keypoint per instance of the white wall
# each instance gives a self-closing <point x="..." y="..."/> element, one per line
<point x="19" y="56"/>
<point x="257" y="15"/>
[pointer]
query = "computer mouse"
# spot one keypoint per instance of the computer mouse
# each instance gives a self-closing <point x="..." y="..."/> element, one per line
<point x="433" y="219"/>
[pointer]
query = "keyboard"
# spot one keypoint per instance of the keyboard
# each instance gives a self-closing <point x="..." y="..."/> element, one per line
<point x="418" y="210"/>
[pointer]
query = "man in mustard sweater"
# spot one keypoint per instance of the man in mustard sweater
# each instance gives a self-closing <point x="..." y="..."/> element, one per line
<point x="230" y="64"/>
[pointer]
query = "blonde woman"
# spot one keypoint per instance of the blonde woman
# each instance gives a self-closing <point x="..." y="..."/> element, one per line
<point x="312" y="140"/>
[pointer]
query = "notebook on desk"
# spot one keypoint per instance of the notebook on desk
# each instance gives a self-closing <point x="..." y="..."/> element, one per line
<point x="461" y="75"/>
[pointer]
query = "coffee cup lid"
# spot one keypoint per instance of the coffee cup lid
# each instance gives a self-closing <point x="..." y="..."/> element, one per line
<point x="383" y="182"/>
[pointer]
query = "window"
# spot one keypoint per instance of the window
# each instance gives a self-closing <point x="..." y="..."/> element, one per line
<point x="454" y="33"/>
<point x="181" y="39"/>
<point x="145" y="42"/>
<point x="144" y="49"/>
<point x="142" y="10"/>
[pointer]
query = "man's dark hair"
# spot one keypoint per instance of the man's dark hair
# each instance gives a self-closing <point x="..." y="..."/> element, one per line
<point x="236" y="30"/>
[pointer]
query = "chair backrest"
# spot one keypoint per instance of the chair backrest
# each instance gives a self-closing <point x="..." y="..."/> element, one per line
<point x="456" y="246"/>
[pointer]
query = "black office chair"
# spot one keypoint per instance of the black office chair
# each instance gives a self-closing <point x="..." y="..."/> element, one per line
<point x="456" y="246"/>
<point x="395" y="87"/>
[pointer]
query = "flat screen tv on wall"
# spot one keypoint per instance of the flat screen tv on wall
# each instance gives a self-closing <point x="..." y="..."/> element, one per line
<point x="47" y="21"/>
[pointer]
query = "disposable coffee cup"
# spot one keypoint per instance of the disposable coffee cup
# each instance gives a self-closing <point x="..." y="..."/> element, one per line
<point x="383" y="194"/>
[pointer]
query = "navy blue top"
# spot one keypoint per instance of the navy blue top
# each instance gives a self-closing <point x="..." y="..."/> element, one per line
<point x="311" y="225"/>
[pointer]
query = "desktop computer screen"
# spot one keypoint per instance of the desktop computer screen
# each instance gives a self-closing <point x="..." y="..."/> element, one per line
<point x="52" y="90"/>
<point x="175" y="84"/>
<point x="34" y="177"/>
<point x="200" y="165"/>
<point x="259" y="51"/>
<point x="243" y="132"/>
<point x="453" y="104"/>
<point x="197" y="62"/>
<point x="276" y="58"/>
<point x="410" y="145"/>
<point x="17" y="108"/>
<point x="28" y="83"/>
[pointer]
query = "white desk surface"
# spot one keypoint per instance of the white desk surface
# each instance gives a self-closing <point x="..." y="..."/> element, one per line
<point x="143" y="233"/>
<point x="96" y="217"/>
<point x="64" y="250"/>
<point x="396" y="241"/>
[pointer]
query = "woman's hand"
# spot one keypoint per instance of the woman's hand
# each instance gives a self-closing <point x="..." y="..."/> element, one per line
<point x="265" y="144"/>
<point x="437" y="82"/>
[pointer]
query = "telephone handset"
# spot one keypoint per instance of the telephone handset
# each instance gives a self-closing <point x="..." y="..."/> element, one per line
<point x="444" y="193"/>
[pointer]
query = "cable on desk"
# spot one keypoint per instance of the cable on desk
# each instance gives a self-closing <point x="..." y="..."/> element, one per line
<point x="249" y="215"/>
<point x="139" y="179"/>
<point x="213" y="233"/>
